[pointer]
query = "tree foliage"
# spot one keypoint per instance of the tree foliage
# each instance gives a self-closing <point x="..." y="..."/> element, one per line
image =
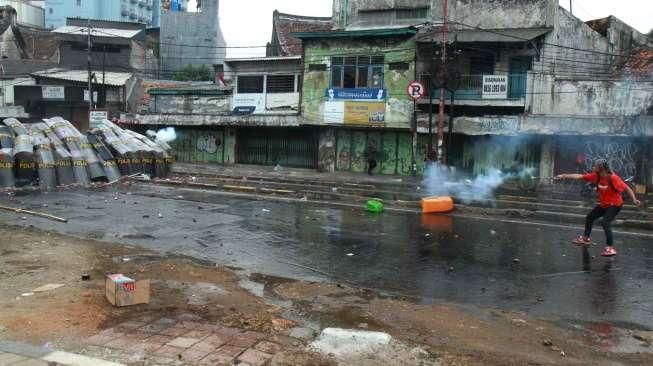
<point x="192" y="73"/>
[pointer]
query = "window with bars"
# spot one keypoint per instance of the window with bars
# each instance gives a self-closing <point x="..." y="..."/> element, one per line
<point x="280" y="84"/>
<point x="250" y="84"/>
<point x="357" y="72"/>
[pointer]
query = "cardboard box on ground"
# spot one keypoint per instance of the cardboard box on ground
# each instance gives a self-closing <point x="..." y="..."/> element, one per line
<point x="123" y="291"/>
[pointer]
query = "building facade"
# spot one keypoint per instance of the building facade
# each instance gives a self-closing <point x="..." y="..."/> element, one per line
<point x="147" y="12"/>
<point x="191" y="38"/>
<point x="28" y="14"/>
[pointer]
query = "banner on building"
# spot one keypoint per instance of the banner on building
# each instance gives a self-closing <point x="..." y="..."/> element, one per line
<point x="86" y="96"/>
<point x="53" y="92"/>
<point x="356" y="94"/>
<point x="354" y="112"/>
<point x="256" y="101"/>
<point x="495" y="87"/>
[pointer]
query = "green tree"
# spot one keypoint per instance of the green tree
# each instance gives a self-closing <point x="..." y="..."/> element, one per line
<point x="192" y="73"/>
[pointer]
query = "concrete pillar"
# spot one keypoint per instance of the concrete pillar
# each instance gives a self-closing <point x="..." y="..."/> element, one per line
<point x="229" y="145"/>
<point x="326" y="150"/>
<point x="547" y="157"/>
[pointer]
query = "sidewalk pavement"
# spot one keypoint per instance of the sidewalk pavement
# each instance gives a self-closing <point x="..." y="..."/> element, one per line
<point x="21" y="354"/>
<point x="185" y="340"/>
<point x="238" y="170"/>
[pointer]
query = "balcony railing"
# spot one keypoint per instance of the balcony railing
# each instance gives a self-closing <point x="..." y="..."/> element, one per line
<point x="471" y="87"/>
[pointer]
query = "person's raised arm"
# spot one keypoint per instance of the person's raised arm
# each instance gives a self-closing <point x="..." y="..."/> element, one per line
<point x="569" y="176"/>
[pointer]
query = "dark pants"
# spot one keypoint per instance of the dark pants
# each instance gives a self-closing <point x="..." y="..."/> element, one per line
<point x="371" y="164"/>
<point x="608" y="214"/>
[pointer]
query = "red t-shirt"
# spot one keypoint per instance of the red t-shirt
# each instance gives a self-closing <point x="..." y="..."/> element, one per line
<point x="609" y="194"/>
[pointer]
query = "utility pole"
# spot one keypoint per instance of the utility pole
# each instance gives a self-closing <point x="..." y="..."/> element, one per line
<point x="104" y="88"/>
<point x="570" y="9"/>
<point x="90" y="85"/>
<point x="445" y="36"/>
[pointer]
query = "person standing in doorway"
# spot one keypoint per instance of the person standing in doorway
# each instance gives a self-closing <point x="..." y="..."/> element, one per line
<point x="371" y="156"/>
<point x="609" y="187"/>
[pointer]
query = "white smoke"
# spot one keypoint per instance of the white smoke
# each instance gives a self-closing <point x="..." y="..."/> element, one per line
<point x="441" y="180"/>
<point x="166" y="135"/>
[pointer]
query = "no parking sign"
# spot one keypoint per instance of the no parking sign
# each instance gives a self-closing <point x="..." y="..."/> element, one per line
<point x="416" y="90"/>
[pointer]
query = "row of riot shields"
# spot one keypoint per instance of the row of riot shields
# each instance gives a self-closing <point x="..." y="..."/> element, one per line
<point x="53" y="153"/>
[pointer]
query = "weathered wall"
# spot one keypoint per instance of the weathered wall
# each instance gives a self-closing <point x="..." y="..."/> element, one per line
<point x="78" y="59"/>
<point x="191" y="104"/>
<point x="179" y="29"/>
<point x="504" y="13"/>
<point x="278" y="120"/>
<point x="205" y="145"/>
<point x="398" y="107"/>
<point x="345" y="150"/>
<point x="575" y="97"/>
<point x="635" y="126"/>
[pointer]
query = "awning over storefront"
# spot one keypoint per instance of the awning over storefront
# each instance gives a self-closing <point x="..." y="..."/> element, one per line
<point x="485" y="35"/>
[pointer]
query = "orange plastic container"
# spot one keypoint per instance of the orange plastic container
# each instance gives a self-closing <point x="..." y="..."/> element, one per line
<point x="437" y="204"/>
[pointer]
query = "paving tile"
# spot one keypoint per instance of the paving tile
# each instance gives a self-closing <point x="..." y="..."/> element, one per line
<point x="112" y="332"/>
<point x="208" y="347"/>
<point x="175" y="331"/>
<point x="156" y="360"/>
<point x="30" y="362"/>
<point x="268" y="347"/>
<point x="66" y="358"/>
<point x="216" y="340"/>
<point x="164" y="321"/>
<point x="23" y="349"/>
<point x="120" y="343"/>
<point x="153" y="328"/>
<point x="189" y="317"/>
<point x="169" y="351"/>
<point x="254" y="357"/>
<point x="191" y="325"/>
<point x="160" y="339"/>
<point x="214" y="359"/>
<point x="226" y="331"/>
<point x="193" y="355"/>
<point x="137" y="335"/>
<point x="183" y="342"/>
<point x="9" y="358"/>
<point x="246" y="339"/>
<point x="145" y="347"/>
<point x="197" y="334"/>
<point x="99" y="339"/>
<point x="231" y="351"/>
<point x="132" y="324"/>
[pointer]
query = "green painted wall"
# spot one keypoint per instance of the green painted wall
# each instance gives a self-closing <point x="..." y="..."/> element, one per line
<point x="205" y="145"/>
<point x="398" y="106"/>
<point x="394" y="151"/>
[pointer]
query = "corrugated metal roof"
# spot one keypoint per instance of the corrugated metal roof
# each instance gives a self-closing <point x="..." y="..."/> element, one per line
<point x="263" y="59"/>
<point x="111" y="78"/>
<point x="390" y="32"/>
<point x="98" y="32"/>
<point x="507" y="35"/>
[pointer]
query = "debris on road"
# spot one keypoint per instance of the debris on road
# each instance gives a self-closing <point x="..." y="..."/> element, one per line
<point x="33" y="213"/>
<point x="121" y="290"/>
<point x="547" y="343"/>
<point x="374" y="206"/>
<point x="342" y="342"/>
<point x="86" y="277"/>
<point x="265" y="210"/>
<point x="48" y="287"/>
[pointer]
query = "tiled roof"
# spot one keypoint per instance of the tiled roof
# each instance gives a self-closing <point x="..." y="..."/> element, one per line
<point x="40" y="45"/>
<point x="600" y="25"/>
<point x="283" y="25"/>
<point x="639" y="63"/>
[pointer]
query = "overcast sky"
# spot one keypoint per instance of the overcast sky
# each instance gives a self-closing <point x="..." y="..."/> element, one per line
<point x="249" y="23"/>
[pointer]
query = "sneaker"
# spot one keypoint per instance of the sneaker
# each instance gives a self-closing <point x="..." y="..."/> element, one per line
<point x="609" y="252"/>
<point x="582" y="240"/>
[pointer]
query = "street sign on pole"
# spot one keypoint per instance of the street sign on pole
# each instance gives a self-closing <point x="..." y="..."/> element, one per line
<point x="416" y="90"/>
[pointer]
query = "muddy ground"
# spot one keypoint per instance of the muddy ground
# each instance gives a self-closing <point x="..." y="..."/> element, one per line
<point x="450" y="333"/>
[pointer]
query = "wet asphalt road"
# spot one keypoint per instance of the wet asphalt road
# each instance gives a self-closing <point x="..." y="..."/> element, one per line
<point x="510" y="265"/>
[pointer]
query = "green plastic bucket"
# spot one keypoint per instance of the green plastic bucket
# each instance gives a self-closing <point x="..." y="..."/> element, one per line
<point x="374" y="206"/>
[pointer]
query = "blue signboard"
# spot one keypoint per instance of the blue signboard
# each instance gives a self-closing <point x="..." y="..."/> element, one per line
<point x="356" y="94"/>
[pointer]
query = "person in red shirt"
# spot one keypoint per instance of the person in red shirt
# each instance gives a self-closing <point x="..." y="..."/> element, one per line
<point x="609" y="187"/>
